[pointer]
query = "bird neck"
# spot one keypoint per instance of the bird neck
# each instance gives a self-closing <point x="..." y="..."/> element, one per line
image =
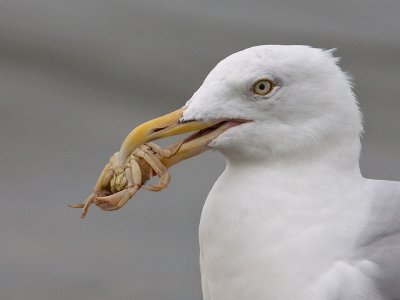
<point x="337" y="155"/>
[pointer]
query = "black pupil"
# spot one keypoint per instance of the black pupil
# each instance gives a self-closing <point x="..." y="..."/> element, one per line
<point x="261" y="86"/>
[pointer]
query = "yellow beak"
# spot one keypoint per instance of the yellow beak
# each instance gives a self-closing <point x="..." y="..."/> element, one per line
<point x="165" y="126"/>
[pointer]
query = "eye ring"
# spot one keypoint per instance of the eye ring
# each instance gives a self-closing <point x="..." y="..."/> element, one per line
<point x="263" y="87"/>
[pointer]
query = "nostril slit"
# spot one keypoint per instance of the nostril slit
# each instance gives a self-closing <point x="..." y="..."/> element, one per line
<point x="158" y="129"/>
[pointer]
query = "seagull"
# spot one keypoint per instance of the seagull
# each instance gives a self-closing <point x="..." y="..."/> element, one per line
<point x="291" y="216"/>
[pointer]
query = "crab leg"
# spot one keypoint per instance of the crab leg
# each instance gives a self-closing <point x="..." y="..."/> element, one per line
<point x="158" y="167"/>
<point x="89" y="201"/>
<point x="135" y="174"/>
<point x="101" y="181"/>
<point x="165" y="152"/>
<point x="85" y="205"/>
<point x="117" y="200"/>
<point x="128" y="195"/>
<point x="151" y="159"/>
<point x="162" y="183"/>
<point x="105" y="174"/>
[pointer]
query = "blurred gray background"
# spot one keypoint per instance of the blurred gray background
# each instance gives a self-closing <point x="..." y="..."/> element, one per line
<point x="76" y="76"/>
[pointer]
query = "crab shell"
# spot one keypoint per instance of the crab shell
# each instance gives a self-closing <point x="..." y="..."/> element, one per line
<point x="119" y="182"/>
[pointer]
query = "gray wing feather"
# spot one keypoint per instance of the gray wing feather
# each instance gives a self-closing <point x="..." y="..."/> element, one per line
<point x="380" y="241"/>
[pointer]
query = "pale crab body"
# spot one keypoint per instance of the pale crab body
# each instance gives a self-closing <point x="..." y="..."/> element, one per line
<point x="138" y="159"/>
<point x="118" y="183"/>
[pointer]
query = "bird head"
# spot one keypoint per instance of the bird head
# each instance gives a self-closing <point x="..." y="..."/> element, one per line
<point x="264" y="101"/>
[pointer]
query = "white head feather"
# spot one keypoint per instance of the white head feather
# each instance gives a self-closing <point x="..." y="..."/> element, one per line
<point x="312" y="104"/>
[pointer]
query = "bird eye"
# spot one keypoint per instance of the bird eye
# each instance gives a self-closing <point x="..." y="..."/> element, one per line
<point x="263" y="86"/>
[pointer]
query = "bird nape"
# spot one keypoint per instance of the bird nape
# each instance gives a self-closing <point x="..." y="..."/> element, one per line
<point x="291" y="217"/>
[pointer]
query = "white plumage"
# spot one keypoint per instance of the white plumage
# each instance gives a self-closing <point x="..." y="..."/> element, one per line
<point x="292" y="217"/>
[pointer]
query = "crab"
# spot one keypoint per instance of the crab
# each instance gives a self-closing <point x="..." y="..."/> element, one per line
<point x="118" y="183"/>
<point x="139" y="159"/>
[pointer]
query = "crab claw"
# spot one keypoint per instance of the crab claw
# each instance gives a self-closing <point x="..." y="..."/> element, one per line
<point x="117" y="200"/>
<point x="100" y="188"/>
